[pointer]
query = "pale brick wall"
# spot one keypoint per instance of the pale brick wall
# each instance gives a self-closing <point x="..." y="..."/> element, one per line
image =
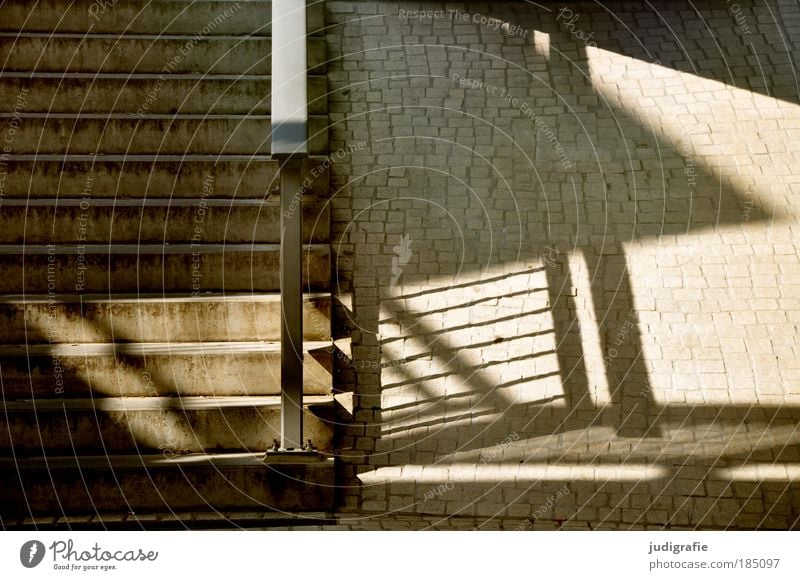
<point x="575" y="289"/>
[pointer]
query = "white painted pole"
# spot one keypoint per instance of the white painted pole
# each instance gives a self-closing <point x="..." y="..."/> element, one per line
<point x="289" y="142"/>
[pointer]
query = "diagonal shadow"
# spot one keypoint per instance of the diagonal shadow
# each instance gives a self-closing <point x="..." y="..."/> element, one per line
<point x="677" y="43"/>
<point x="626" y="196"/>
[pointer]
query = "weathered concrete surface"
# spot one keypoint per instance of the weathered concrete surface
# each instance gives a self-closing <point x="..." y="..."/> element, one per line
<point x="205" y="95"/>
<point x="243" y="177"/>
<point x="130" y="425"/>
<point x="136" y="370"/>
<point x="242" y="135"/>
<point x="143" y="318"/>
<point x="144" y="222"/>
<point x="150" y="269"/>
<point x="210" y="55"/>
<point x="137" y="141"/>
<point x="166" y="16"/>
<point x="157" y="485"/>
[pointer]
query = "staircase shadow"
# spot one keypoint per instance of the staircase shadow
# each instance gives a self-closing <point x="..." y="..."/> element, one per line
<point x="105" y="433"/>
<point x="442" y="403"/>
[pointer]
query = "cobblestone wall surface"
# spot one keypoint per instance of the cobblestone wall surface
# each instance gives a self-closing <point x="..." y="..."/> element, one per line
<point x="566" y="245"/>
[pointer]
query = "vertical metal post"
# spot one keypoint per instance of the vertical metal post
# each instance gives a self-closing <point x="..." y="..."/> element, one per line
<point x="289" y="143"/>
<point x="291" y="306"/>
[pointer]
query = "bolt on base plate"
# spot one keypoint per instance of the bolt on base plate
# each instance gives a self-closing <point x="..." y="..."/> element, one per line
<point x="277" y="454"/>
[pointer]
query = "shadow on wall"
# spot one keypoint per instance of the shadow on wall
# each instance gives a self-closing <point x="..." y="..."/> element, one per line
<point x="515" y="335"/>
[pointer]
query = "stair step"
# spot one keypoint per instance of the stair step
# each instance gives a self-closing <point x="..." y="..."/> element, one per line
<point x="146" y="53"/>
<point x="249" y="459"/>
<point x="148" y="484"/>
<point x="208" y="17"/>
<point x="60" y="134"/>
<point x="142" y="424"/>
<point x="152" y="176"/>
<point x="156" y="318"/>
<point x="91" y="93"/>
<point x="71" y="371"/>
<point x="131" y="404"/>
<point x="144" y="249"/>
<point x="44" y="221"/>
<point x="175" y="520"/>
<point x="168" y="268"/>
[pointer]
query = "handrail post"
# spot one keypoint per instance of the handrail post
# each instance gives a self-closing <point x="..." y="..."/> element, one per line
<point x="289" y="144"/>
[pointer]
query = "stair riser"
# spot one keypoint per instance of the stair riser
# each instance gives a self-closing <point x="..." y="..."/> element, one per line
<point x="201" y="223"/>
<point x="173" y="431"/>
<point x="166" y="16"/>
<point x="164" y="136"/>
<point x="123" y="55"/>
<point x="249" y="179"/>
<point x="146" y="321"/>
<point x="100" y="95"/>
<point x="157" y="375"/>
<point x="125" y="273"/>
<point x="275" y="487"/>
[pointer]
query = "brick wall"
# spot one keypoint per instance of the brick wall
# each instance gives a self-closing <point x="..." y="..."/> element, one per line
<point x="567" y="249"/>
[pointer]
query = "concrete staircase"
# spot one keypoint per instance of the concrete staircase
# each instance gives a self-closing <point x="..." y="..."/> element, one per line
<point x="139" y="250"/>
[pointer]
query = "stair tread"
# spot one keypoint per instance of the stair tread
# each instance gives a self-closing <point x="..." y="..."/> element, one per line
<point x="62" y="248"/>
<point x="133" y="116"/>
<point x="149" y="348"/>
<point x="152" y="298"/>
<point x="137" y="76"/>
<point x="81" y="52"/>
<point x="176" y="17"/>
<point x="230" y="459"/>
<point x="147" y="157"/>
<point x="131" y="36"/>
<point x="75" y="202"/>
<point x="186" y="403"/>
<point x="201" y="519"/>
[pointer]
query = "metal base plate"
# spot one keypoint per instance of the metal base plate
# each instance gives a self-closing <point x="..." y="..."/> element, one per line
<point x="291" y="456"/>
